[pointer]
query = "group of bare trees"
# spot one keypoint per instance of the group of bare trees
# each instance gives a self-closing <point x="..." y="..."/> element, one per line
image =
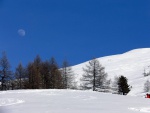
<point x="36" y="75"/>
<point x="95" y="78"/>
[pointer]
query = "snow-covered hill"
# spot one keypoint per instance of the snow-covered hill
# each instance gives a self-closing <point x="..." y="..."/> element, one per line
<point x="130" y="64"/>
<point x="69" y="101"/>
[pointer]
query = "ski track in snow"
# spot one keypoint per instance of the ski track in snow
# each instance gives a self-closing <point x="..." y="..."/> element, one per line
<point x="50" y="93"/>
<point x="10" y="101"/>
<point x="84" y="97"/>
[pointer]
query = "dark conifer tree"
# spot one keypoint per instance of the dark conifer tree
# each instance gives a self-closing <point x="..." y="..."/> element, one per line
<point x="34" y="73"/>
<point x="20" y="76"/>
<point x="5" y="72"/>
<point x="123" y="87"/>
<point x="45" y="72"/>
<point x="37" y="64"/>
<point x="30" y="76"/>
<point x="55" y="75"/>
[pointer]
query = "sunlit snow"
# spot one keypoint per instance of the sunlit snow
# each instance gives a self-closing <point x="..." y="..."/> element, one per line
<point x="70" y="101"/>
<point x="130" y="64"/>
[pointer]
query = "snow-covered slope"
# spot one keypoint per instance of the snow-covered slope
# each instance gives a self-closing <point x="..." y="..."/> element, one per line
<point x="69" y="101"/>
<point x="130" y="64"/>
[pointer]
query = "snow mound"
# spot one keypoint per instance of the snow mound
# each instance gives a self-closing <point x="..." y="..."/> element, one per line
<point x="9" y="101"/>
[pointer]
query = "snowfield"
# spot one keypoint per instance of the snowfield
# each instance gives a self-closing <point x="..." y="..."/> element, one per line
<point x="70" y="101"/>
<point x="130" y="64"/>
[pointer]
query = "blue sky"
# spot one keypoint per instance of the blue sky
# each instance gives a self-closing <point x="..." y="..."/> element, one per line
<point x="76" y="30"/>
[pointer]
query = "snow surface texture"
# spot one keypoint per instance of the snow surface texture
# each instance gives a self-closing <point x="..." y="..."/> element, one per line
<point x="130" y="64"/>
<point x="70" y="101"/>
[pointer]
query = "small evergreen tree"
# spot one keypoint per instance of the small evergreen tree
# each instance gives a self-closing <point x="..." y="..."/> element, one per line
<point x="123" y="87"/>
<point x="147" y="86"/>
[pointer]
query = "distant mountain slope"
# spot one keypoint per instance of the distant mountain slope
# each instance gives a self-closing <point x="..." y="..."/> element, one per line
<point x="130" y="64"/>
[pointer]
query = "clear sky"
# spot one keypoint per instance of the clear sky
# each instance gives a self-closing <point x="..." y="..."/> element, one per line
<point x="76" y="30"/>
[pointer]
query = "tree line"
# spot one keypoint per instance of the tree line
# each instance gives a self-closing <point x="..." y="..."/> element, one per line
<point x="36" y="75"/>
<point x="40" y="74"/>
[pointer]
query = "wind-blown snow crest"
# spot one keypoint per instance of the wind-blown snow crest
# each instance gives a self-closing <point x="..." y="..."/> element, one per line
<point x="130" y="64"/>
